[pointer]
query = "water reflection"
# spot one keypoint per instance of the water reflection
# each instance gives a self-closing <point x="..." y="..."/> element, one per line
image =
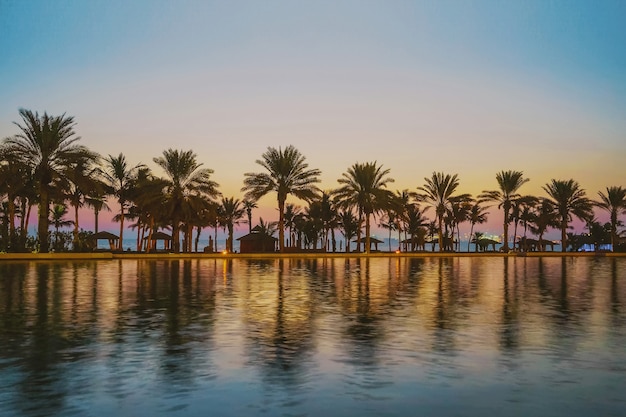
<point x="275" y="336"/>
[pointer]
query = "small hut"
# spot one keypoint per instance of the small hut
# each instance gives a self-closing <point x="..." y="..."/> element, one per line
<point x="257" y="242"/>
<point x="156" y="236"/>
<point x="373" y="241"/>
<point x="110" y="237"/>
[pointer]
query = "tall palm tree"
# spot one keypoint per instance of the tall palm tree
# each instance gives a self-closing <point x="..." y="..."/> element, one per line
<point x="232" y="211"/>
<point x="13" y="179"/>
<point x="120" y="177"/>
<point x="400" y="207"/>
<point x="57" y="217"/>
<point x="348" y="225"/>
<point x="46" y="144"/>
<point x="248" y="205"/>
<point x="188" y="187"/>
<point x="364" y="186"/>
<point x="509" y="182"/>
<point x="614" y="201"/>
<point x="436" y="193"/>
<point x="569" y="199"/>
<point x="83" y="181"/>
<point x="389" y="222"/>
<point x="287" y="174"/>
<point x="477" y="215"/>
<point x="457" y="213"/>
<point x="544" y="216"/>
<point x="292" y="212"/>
<point x="414" y="225"/>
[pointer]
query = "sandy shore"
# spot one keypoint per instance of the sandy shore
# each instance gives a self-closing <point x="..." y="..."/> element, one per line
<point x="109" y="255"/>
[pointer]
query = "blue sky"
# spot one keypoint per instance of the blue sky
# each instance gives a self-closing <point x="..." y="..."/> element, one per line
<point x="467" y="87"/>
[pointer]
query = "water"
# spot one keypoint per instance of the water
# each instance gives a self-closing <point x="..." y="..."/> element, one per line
<point x="377" y="337"/>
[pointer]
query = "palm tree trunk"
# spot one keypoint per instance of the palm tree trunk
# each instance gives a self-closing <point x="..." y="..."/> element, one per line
<point x="197" y="242"/>
<point x="281" y="224"/>
<point x="440" y="232"/>
<point x="564" y="234"/>
<point x="469" y="242"/>
<point x="42" y="226"/>
<point x="119" y="244"/>
<point x="367" y="233"/>
<point x="358" y="232"/>
<point x="75" y="242"/>
<point x="11" y="217"/>
<point x="230" y="237"/>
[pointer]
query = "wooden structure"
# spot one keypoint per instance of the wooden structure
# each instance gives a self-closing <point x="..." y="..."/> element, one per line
<point x="257" y="242"/>
<point x="110" y="237"/>
<point x="156" y="236"/>
<point x="373" y="241"/>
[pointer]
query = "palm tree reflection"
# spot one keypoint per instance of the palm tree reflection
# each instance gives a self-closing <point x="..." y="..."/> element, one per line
<point x="509" y="329"/>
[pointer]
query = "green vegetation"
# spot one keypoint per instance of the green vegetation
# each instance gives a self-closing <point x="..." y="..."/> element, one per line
<point x="44" y="166"/>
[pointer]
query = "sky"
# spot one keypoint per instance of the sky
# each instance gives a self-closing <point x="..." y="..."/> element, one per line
<point x="465" y="87"/>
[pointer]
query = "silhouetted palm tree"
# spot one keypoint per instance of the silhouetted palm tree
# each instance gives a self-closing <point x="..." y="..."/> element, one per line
<point x="57" y="218"/>
<point x="248" y="205"/>
<point x="389" y="222"/>
<point x="436" y="193"/>
<point x="287" y="173"/>
<point x="457" y="213"/>
<point x="292" y="212"/>
<point x="544" y="217"/>
<point x="120" y="177"/>
<point x="477" y="215"/>
<point x="509" y="182"/>
<point x="569" y="199"/>
<point x="46" y="144"/>
<point x="13" y="184"/>
<point x="188" y="188"/>
<point x="614" y="201"/>
<point x="415" y="223"/>
<point x="83" y="180"/>
<point x="232" y="211"/>
<point x="364" y="186"/>
<point x="348" y="225"/>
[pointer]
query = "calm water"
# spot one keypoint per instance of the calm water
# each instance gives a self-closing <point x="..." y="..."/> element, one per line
<point x="378" y="337"/>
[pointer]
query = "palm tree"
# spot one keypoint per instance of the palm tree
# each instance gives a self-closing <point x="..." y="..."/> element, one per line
<point x="83" y="181"/>
<point x="544" y="216"/>
<point x="364" y="186"/>
<point x="13" y="177"/>
<point x="614" y="201"/>
<point x="389" y="222"/>
<point x="232" y="211"/>
<point x="146" y="199"/>
<point x="457" y="213"/>
<point x="400" y="207"/>
<point x="188" y="187"/>
<point x="509" y="182"/>
<point x="46" y="144"/>
<point x="477" y="215"/>
<point x="287" y="173"/>
<point x="57" y="214"/>
<point x="348" y="224"/>
<point x="248" y="205"/>
<point x="120" y="177"/>
<point x="569" y="199"/>
<point x="292" y="212"/>
<point x="414" y="225"/>
<point x="437" y="193"/>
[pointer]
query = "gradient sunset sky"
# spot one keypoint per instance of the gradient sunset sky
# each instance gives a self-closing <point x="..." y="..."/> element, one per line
<point x="467" y="87"/>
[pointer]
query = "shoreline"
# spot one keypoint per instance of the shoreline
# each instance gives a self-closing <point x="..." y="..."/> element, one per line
<point x="339" y="255"/>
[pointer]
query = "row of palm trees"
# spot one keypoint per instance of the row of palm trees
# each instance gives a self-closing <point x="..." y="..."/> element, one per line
<point x="44" y="165"/>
